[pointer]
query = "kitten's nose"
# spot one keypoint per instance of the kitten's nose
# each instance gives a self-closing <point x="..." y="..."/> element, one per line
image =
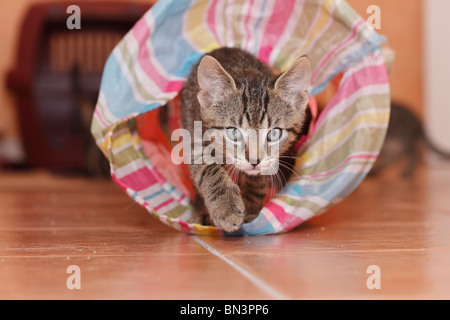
<point x="255" y="162"/>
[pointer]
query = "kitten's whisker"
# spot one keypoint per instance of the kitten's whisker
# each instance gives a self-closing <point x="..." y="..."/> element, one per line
<point x="282" y="183"/>
<point x="289" y="169"/>
<point x="297" y="171"/>
<point x="287" y="156"/>
<point x="274" y="182"/>
<point x="271" y="187"/>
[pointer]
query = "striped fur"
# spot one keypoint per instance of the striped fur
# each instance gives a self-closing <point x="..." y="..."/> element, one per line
<point x="230" y="88"/>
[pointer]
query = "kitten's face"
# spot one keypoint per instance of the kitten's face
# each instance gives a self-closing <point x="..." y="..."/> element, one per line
<point x="254" y="121"/>
<point x="253" y="137"/>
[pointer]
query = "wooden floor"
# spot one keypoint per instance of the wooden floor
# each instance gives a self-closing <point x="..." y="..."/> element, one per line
<point x="48" y="223"/>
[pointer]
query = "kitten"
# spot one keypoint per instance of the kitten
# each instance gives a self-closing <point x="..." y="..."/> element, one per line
<point x="404" y="135"/>
<point x="240" y="100"/>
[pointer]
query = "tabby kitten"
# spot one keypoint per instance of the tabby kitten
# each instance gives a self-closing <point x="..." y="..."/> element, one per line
<point x="404" y="136"/>
<point x="239" y="100"/>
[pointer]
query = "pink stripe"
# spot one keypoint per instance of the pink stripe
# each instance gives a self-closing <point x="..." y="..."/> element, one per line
<point x="275" y="27"/>
<point x="247" y="18"/>
<point x="139" y="180"/>
<point x="184" y="226"/>
<point x="288" y="221"/>
<point x="339" y="46"/>
<point x="291" y="222"/>
<point x="141" y="32"/>
<point x="312" y="25"/>
<point x="211" y="19"/>
<point x="370" y="75"/>
<point x="361" y="156"/>
<point x="99" y="117"/>
<point x="165" y="203"/>
<point x="324" y="29"/>
<point x="157" y="175"/>
<point x="161" y="180"/>
<point x="277" y="211"/>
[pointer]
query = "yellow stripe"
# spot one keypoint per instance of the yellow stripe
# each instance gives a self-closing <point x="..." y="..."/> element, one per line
<point x="238" y="16"/>
<point x="327" y="4"/>
<point x="321" y="22"/>
<point x="205" y="230"/>
<point x="380" y="118"/>
<point x="136" y="139"/>
<point x="121" y="140"/>
<point x="195" y="29"/>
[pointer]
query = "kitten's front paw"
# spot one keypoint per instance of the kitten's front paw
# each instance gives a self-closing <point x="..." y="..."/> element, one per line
<point x="228" y="213"/>
<point x="230" y="222"/>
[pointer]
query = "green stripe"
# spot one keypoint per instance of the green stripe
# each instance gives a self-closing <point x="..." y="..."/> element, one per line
<point x="331" y="124"/>
<point x="291" y="46"/>
<point x="126" y="156"/>
<point x="362" y="140"/>
<point x="96" y="129"/>
<point x="336" y="34"/>
<point x="304" y="175"/>
<point x="237" y="29"/>
<point x="346" y="14"/>
<point x="308" y="204"/>
<point x="177" y="211"/>
<point x="128" y="60"/>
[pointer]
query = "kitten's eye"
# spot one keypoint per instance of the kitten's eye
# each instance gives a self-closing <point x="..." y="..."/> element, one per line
<point x="234" y="134"/>
<point x="274" y="135"/>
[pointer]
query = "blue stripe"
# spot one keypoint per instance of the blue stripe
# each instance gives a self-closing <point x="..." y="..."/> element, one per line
<point x="172" y="188"/>
<point x="369" y="47"/>
<point x="154" y="195"/>
<point x="149" y="107"/>
<point x="171" y="49"/>
<point x="339" y="187"/>
<point x="258" y="226"/>
<point x="117" y="91"/>
<point x="255" y="32"/>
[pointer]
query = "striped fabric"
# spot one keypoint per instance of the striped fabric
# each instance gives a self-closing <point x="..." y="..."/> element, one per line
<point x="149" y="66"/>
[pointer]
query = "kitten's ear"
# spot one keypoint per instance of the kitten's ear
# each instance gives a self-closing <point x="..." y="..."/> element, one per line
<point x="293" y="84"/>
<point x="214" y="81"/>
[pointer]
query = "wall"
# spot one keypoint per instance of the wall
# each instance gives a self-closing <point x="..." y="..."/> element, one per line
<point x="10" y="16"/>
<point x="401" y="23"/>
